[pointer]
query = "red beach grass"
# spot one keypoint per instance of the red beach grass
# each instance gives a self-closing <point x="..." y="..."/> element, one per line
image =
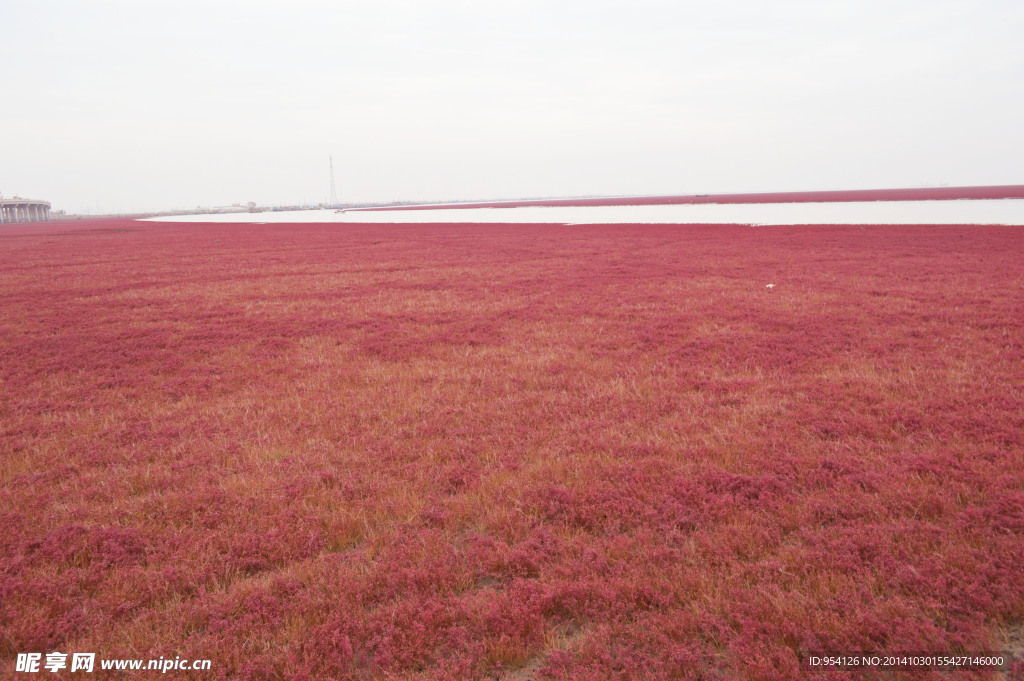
<point x="467" y="451"/>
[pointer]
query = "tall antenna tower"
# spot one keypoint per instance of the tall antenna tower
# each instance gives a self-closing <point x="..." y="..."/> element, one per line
<point x="334" y="190"/>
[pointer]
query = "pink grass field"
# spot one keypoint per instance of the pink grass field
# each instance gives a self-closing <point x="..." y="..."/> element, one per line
<point x="510" y="451"/>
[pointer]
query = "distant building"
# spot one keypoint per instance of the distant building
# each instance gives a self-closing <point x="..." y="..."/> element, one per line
<point x="18" y="209"/>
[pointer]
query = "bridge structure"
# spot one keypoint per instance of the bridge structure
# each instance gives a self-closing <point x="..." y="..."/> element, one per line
<point x="18" y="209"/>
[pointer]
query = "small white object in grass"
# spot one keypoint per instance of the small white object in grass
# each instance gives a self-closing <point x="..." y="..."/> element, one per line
<point x="770" y="286"/>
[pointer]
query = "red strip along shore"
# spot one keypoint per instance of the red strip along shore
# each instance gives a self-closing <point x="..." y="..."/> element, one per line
<point x="1012" y="191"/>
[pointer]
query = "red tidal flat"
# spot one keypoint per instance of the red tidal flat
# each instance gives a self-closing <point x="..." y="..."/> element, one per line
<point x="1010" y="191"/>
<point x="486" y="451"/>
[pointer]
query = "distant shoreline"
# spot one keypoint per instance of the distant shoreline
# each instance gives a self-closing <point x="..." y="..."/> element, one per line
<point x="1012" y="191"/>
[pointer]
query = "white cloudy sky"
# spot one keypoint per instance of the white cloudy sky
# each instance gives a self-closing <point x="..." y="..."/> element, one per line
<point x="144" y="105"/>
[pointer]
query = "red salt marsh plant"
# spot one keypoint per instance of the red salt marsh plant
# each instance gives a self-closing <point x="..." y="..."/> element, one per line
<point x="486" y="451"/>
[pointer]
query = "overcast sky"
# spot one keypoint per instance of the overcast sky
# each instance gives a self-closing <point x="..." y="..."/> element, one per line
<point x="122" y="106"/>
